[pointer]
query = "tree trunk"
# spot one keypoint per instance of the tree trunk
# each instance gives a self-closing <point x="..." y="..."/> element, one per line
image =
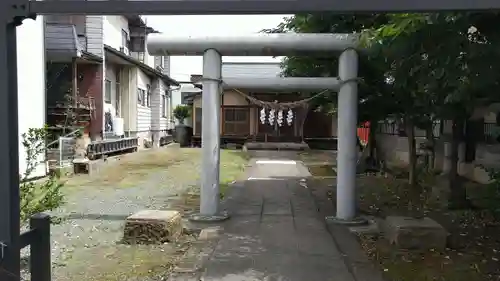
<point x="431" y="144"/>
<point x="303" y="120"/>
<point x="458" y="195"/>
<point x="412" y="152"/>
<point x="372" y="142"/>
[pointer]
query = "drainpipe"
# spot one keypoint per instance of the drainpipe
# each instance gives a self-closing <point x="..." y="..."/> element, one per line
<point x="129" y="103"/>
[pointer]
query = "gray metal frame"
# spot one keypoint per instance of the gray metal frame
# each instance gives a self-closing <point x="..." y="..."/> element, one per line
<point x="12" y="12"/>
<point x="220" y="7"/>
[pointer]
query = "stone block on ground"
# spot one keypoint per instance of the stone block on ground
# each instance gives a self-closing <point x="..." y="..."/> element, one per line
<point x="152" y="227"/>
<point x="413" y="233"/>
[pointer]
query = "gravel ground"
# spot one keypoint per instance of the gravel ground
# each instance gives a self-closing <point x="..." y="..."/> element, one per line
<point x="85" y="244"/>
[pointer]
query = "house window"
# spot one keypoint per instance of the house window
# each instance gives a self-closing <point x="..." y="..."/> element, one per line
<point x="140" y="56"/>
<point x="236" y="121"/>
<point x="107" y="91"/>
<point x="141" y="96"/>
<point x="117" y="98"/>
<point x="164" y="109"/>
<point x="148" y="96"/>
<point x="162" y="62"/>
<point x="125" y="41"/>
<point x="118" y="101"/>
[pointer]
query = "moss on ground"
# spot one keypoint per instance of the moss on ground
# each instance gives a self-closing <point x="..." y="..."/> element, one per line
<point x="473" y="251"/>
<point x="122" y="263"/>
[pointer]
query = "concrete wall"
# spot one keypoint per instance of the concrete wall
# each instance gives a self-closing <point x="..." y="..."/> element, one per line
<point x="31" y="85"/>
<point x="394" y="150"/>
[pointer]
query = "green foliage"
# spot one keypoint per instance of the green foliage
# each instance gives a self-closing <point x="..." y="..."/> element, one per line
<point x="182" y="112"/>
<point x="372" y="85"/>
<point x="37" y="195"/>
<point x="415" y="67"/>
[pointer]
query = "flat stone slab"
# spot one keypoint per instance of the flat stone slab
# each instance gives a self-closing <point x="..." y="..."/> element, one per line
<point x="152" y="227"/>
<point x="413" y="233"/>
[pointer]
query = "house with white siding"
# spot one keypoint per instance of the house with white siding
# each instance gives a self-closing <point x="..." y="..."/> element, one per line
<point x="136" y="85"/>
<point x="105" y="64"/>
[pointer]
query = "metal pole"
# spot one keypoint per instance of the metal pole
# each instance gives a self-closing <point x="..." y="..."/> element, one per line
<point x="347" y="150"/>
<point x="210" y="133"/>
<point x="9" y="152"/>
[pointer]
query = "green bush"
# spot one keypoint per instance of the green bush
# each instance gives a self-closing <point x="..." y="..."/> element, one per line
<point x="37" y="195"/>
<point x="182" y="112"/>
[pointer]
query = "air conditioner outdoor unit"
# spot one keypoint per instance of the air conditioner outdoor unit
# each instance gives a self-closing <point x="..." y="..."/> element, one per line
<point x="125" y="51"/>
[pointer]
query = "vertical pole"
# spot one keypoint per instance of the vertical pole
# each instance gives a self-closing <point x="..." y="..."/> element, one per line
<point x="9" y="152"/>
<point x="210" y="133"/>
<point x="347" y="155"/>
<point x="60" y="153"/>
<point x="40" y="250"/>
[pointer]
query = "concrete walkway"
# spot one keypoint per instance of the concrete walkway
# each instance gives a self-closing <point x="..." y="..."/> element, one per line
<point x="276" y="232"/>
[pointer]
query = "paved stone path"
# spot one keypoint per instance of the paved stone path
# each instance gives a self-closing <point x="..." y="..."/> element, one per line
<point x="276" y="232"/>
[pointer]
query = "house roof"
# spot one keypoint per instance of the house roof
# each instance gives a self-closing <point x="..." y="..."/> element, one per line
<point x="144" y="67"/>
<point x="90" y="57"/>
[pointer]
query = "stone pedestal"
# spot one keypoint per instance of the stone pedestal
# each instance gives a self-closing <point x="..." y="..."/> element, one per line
<point x="412" y="233"/>
<point x="152" y="227"/>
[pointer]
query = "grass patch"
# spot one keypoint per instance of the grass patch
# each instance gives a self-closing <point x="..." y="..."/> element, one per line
<point x="131" y="170"/>
<point x="233" y="164"/>
<point x="322" y="170"/>
<point x="473" y="250"/>
<point x="313" y="157"/>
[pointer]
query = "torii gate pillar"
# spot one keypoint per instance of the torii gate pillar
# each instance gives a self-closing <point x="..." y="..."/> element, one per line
<point x="210" y="136"/>
<point x="347" y="136"/>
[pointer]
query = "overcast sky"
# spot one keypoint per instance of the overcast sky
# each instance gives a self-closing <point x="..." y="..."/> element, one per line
<point x="182" y="67"/>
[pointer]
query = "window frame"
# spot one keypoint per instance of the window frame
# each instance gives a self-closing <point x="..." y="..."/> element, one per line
<point x="125" y="39"/>
<point x="164" y="105"/>
<point x="141" y="95"/>
<point x="232" y="126"/>
<point x="107" y="91"/>
<point x="148" y="96"/>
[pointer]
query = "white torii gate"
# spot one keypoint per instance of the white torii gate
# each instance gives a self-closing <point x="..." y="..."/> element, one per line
<point x="214" y="47"/>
